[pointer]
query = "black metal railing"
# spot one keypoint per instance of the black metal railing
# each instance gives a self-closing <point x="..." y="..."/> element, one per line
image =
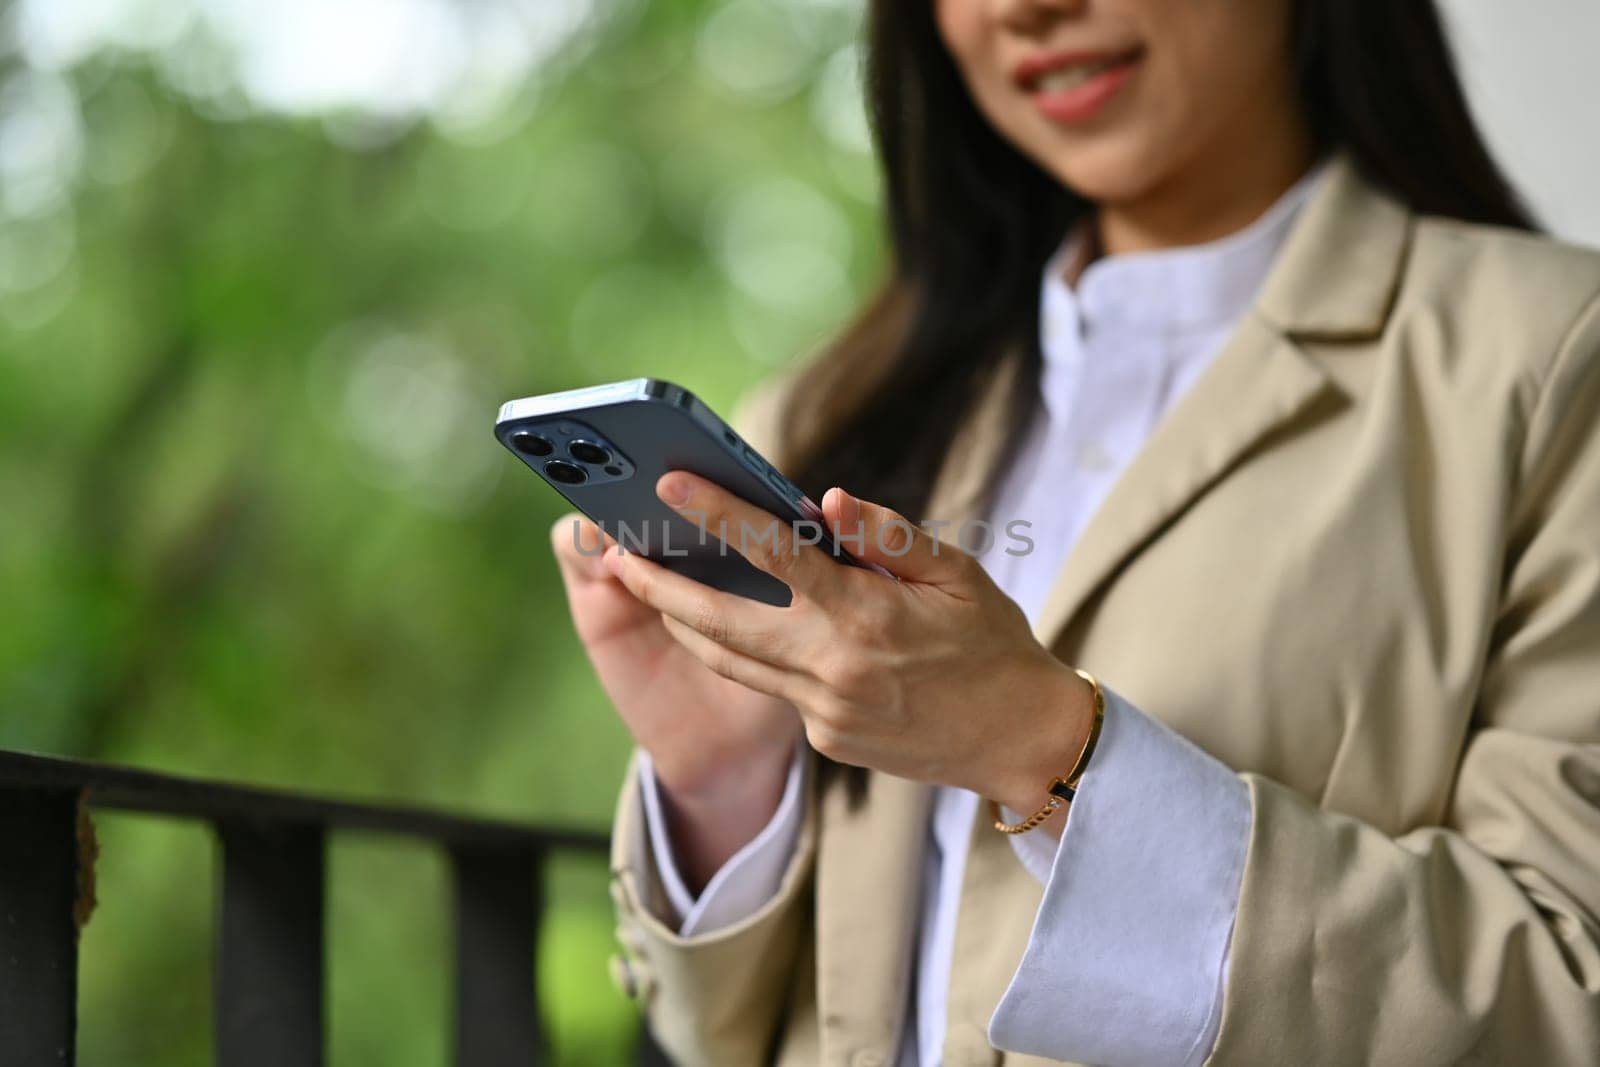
<point x="268" y="1002"/>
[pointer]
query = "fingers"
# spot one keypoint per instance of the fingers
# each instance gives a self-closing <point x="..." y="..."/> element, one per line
<point x="785" y="550"/>
<point x="729" y="663"/>
<point x="760" y="631"/>
<point x="579" y="545"/>
<point x="873" y="533"/>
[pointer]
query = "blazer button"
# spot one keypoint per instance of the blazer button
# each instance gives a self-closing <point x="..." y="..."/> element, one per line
<point x="622" y="976"/>
<point x="631" y="937"/>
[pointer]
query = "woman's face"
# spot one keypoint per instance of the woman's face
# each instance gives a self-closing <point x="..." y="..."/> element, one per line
<point x="1117" y="97"/>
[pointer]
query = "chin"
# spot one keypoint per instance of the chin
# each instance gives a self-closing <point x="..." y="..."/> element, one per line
<point x="1107" y="171"/>
<point x="1108" y="167"/>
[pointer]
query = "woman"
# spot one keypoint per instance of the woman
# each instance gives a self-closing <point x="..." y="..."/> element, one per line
<point x="1314" y="420"/>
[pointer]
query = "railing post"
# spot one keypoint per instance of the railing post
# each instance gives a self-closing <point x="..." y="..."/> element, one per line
<point x="38" y="936"/>
<point x="269" y="971"/>
<point x="499" y="897"/>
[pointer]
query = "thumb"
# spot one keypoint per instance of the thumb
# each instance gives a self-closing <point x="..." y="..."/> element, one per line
<point x="875" y="534"/>
<point x="579" y="547"/>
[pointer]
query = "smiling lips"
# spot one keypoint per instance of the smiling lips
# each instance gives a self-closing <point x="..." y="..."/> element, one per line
<point x="1073" y="87"/>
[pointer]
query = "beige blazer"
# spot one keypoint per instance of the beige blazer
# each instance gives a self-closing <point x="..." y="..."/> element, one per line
<point x="1359" y="562"/>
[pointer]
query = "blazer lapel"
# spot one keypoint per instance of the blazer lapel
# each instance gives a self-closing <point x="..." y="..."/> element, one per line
<point x="1258" y="382"/>
<point x="870" y="855"/>
<point x="1261" y="381"/>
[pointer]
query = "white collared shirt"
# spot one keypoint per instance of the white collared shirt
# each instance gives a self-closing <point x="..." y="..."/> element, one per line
<point x="1128" y="955"/>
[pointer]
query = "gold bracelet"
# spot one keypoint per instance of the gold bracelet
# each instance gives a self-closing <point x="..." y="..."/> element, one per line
<point x="1061" y="790"/>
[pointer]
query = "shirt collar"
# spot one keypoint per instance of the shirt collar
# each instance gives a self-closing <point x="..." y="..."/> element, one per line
<point x="1170" y="290"/>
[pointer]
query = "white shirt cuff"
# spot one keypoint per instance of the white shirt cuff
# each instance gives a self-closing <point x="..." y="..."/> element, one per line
<point x="1128" y="956"/>
<point x="751" y="875"/>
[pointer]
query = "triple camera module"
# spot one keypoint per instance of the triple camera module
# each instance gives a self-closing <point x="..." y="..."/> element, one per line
<point x="572" y="454"/>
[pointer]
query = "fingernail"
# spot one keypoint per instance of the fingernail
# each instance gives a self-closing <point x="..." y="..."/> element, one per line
<point x="675" y="491"/>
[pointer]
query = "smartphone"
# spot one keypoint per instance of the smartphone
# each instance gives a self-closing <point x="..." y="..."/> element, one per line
<point x="604" y="447"/>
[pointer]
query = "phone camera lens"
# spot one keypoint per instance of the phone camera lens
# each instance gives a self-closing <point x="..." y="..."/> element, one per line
<point x="589" y="452"/>
<point x="559" y="470"/>
<point x="531" y="444"/>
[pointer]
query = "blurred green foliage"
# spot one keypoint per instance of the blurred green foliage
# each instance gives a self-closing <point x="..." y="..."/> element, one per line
<point x="253" y="524"/>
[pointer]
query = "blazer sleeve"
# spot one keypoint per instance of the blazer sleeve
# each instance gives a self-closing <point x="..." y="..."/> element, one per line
<point x="1477" y="940"/>
<point x="714" y="998"/>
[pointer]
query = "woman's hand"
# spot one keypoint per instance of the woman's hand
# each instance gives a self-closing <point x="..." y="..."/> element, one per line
<point x="721" y="751"/>
<point x="935" y="677"/>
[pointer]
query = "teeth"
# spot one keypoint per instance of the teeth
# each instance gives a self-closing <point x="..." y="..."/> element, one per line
<point x="1059" y="81"/>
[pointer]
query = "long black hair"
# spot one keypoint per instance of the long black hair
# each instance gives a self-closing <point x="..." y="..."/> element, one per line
<point x="971" y="222"/>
